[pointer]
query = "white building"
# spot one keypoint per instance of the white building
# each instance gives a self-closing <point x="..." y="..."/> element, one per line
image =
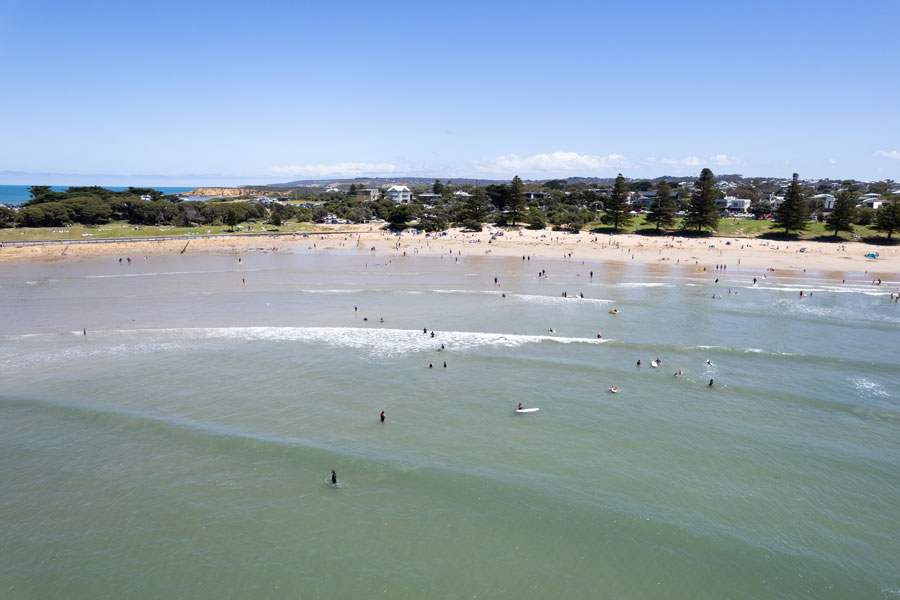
<point x="827" y="199"/>
<point x="368" y="194"/>
<point x="400" y="194"/>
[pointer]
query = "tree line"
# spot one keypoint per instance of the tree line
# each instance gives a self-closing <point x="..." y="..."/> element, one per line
<point x="560" y="205"/>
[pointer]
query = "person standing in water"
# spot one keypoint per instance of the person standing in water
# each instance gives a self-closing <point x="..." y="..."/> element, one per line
<point x="382" y="416"/>
<point x="710" y="382"/>
<point x="333" y="478"/>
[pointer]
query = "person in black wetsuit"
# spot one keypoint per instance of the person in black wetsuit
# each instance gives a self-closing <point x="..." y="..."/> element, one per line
<point x="382" y="416"/>
<point x="333" y="477"/>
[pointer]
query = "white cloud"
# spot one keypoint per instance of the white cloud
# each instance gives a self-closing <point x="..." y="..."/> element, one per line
<point x="554" y="162"/>
<point x="719" y="160"/>
<point x="888" y="154"/>
<point x="723" y="160"/>
<point x="344" y="169"/>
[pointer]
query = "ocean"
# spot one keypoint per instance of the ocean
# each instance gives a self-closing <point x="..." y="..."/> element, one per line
<point x="18" y="194"/>
<point x="183" y="446"/>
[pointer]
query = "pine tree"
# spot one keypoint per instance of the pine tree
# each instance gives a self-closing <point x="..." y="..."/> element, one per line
<point x="515" y="204"/>
<point x="841" y="217"/>
<point x="662" y="211"/>
<point x="616" y="208"/>
<point x="887" y="218"/>
<point x="793" y="214"/>
<point x="702" y="211"/>
<point x="477" y="205"/>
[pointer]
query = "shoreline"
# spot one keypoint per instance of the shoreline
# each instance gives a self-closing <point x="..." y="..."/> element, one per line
<point x="708" y="252"/>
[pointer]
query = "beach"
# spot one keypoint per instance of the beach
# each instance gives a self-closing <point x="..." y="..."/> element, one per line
<point x="837" y="258"/>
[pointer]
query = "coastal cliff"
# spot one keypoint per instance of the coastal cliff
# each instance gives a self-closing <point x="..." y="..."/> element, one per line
<point x="222" y="192"/>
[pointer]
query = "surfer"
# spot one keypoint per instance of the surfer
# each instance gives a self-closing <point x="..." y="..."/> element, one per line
<point x="430" y="365"/>
<point x="711" y="382"/>
<point x="445" y="364"/>
<point x="432" y="334"/>
<point x="677" y="373"/>
<point x="638" y="363"/>
<point x="424" y="330"/>
<point x="659" y="362"/>
<point x="520" y="406"/>
<point x="708" y="362"/>
<point x="382" y="416"/>
<point x="333" y="478"/>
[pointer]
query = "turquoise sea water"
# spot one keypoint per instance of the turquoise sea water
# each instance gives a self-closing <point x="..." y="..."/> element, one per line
<point x="183" y="447"/>
<point x="18" y="194"/>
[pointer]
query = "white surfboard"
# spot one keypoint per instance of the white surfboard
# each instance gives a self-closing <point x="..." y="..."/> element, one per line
<point x="527" y="410"/>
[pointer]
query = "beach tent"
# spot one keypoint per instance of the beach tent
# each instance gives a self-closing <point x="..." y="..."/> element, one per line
<point x="871" y="255"/>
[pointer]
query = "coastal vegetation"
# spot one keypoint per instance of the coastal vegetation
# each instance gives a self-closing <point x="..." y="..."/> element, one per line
<point x="697" y="206"/>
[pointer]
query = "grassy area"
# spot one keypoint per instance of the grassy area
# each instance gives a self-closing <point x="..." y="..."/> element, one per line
<point x="738" y="228"/>
<point x="118" y="230"/>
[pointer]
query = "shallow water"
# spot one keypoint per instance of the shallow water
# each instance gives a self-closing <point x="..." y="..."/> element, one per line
<point x="182" y="448"/>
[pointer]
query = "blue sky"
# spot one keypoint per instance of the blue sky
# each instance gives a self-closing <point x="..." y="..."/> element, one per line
<point x="205" y="93"/>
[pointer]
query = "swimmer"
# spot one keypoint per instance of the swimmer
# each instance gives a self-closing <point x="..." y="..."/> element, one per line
<point x="430" y="365"/>
<point x="432" y="334"/>
<point x="600" y="337"/>
<point x="333" y="478"/>
<point x="424" y="330"/>
<point x="550" y="330"/>
<point x="381" y="320"/>
<point x="445" y="364"/>
<point x="638" y="363"/>
<point x="677" y="373"/>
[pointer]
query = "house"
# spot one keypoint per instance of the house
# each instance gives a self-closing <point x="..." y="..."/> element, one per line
<point x="733" y="205"/>
<point x="827" y="200"/>
<point x="400" y="194"/>
<point x="368" y="194"/>
<point x="429" y="198"/>
<point x="646" y="199"/>
<point x="536" y="196"/>
<point x="461" y="195"/>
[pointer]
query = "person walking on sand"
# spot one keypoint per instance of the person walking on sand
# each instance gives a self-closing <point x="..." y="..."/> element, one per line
<point x="333" y="478"/>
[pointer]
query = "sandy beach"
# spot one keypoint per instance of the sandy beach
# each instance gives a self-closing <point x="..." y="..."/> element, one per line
<point x="700" y="252"/>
